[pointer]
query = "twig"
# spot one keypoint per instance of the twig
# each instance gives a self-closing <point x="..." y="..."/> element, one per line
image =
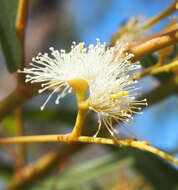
<point x="21" y="30"/>
<point x="163" y="32"/>
<point x="61" y="138"/>
<point x="152" y="44"/>
<point x="20" y="158"/>
<point x="155" y="70"/>
<point x="124" y="30"/>
<point x="160" y="16"/>
<point x="165" y="68"/>
<point x="22" y="20"/>
<point x="21" y="24"/>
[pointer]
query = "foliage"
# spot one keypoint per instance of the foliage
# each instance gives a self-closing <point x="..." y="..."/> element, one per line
<point x="8" y="36"/>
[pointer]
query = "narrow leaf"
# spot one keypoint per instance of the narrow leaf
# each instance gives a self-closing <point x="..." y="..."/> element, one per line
<point x="157" y="171"/>
<point x="8" y="37"/>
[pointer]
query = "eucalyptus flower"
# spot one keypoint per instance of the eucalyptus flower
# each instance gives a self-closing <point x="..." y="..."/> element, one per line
<point x="108" y="71"/>
<point x="131" y="31"/>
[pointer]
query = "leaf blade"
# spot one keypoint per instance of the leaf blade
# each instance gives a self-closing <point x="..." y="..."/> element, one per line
<point x="8" y="38"/>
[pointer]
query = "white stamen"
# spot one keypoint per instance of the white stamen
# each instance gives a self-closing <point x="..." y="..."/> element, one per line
<point x="108" y="73"/>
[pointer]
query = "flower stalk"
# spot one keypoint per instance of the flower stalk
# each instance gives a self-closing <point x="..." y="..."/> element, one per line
<point x="154" y="43"/>
<point x="156" y="69"/>
<point x="80" y="88"/>
<point x="160" y="16"/>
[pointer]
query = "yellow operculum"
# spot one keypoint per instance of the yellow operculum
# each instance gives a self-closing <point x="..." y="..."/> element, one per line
<point x="80" y="87"/>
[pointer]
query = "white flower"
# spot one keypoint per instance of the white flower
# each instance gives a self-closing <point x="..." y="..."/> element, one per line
<point x="108" y="72"/>
<point x="132" y="30"/>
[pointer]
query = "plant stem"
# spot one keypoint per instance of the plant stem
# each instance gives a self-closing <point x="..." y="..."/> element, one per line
<point x="79" y="122"/>
<point x="21" y="24"/>
<point x="20" y="158"/>
<point x="153" y="43"/>
<point x="160" y="16"/>
<point x="155" y="70"/>
<point x="22" y="20"/>
<point x="80" y="88"/>
<point x="143" y="145"/>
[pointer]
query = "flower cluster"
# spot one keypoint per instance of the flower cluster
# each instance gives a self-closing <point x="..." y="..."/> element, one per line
<point x="107" y="70"/>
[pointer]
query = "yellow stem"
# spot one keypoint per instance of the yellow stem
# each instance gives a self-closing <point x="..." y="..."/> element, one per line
<point x="80" y="87"/>
<point x="161" y="60"/>
<point x="155" y="70"/>
<point x="20" y="158"/>
<point x="143" y="145"/>
<point x="165" y="68"/>
<point x="21" y="23"/>
<point x="22" y="19"/>
<point x="160" y="16"/>
<point x="153" y="43"/>
<point x="77" y="131"/>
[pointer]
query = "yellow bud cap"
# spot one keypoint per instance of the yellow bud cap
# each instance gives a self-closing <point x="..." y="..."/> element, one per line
<point x="80" y="87"/>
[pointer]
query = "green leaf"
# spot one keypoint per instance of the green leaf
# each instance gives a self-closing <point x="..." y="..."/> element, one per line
<point x="157" y="171"/>
<point x="83" y="173"/>
<point x="8" y="37"/>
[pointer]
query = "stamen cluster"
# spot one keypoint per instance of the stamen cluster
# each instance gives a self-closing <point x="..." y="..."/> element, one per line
<point x="107" y="70"/>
